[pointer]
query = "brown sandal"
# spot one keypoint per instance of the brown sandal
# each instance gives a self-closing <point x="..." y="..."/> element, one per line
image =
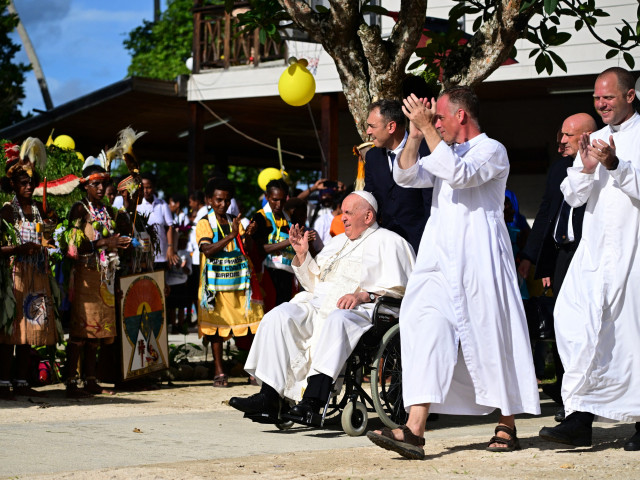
<point x="512" y="443"/>
<point x="411" y="446"/>
<point x="221" y="381"/>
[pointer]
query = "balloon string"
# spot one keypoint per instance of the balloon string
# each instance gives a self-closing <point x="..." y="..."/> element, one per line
<point x="227" y="124"/>
<point x="325" y="165"/>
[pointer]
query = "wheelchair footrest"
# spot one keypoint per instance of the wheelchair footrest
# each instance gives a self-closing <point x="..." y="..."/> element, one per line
<point x="262" y="418"/>
<point x="310" y="419"/>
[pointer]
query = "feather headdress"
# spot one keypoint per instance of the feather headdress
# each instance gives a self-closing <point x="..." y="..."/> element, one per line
<point x="127" y="138"/>
<point x="32" y="152"/>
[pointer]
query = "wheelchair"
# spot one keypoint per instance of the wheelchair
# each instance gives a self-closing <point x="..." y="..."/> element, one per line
<point x="377" y="354"/>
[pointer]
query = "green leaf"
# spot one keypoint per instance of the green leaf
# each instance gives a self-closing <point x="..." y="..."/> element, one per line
<point x="629" y="59"/>
<point x="556" y="58"/>
<point x="415" y="64"/>
<point x="550" y="6"/>
<point x="611" y="54"/>
<point x="527" y="4"/>
<point x="322" y="9"/>
<point x="600" y="13"/>
<point x="562" y="37"/>
<point x="476" y="24"/>
<point x="540" y="63"/>
<point x="534" y="52"/>
<point x="548" y="64"/>
<point x="578" y="25"/>
<point x="262" y="35"/>
<point x="554" y="19"/>
<point x="374" y="9"/>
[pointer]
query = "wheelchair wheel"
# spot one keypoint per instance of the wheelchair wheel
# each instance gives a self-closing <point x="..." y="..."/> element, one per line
<point x="354" y="419"/>
<point x="386" y="380"/>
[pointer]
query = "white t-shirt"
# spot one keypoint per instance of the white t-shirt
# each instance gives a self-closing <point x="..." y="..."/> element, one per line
<point x="161" y="219"/>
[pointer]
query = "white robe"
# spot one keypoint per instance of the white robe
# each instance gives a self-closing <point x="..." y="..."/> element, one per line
<point x="464" y="338"/>
<point x="597" y="314"/>
<point x="292" y="342"/>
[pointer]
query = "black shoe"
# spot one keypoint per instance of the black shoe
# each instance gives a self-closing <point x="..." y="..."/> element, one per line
<point x="305" y="413"/>
<point x="633" y="444"/>
<point x="257" y="403"/>
<point x="559" y="416"/>
<point x="574" y="430"/>
<point x="553" y="391"/>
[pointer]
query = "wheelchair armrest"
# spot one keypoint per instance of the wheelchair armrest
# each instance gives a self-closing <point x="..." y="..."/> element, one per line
<point x="391" y="301"/>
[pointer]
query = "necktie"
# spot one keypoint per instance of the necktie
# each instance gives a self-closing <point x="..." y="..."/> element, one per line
<point x="562" y="230"/>
<point x="392" y="156"/>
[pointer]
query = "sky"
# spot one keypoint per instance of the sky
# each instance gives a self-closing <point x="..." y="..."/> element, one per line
<point x="79" y="44"/>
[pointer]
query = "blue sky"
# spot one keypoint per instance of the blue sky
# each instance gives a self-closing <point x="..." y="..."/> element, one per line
<point x="79" y="44"/>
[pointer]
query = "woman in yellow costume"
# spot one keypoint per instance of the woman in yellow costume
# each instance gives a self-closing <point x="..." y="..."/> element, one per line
<point x="227" y="302"/>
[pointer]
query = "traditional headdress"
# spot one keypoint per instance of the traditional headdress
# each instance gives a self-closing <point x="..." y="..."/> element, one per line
<point x="129" y="184"/>
<point x="360" y="152"/>
<point x="32" y="151"/>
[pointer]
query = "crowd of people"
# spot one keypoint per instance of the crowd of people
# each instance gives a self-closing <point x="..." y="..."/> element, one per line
<point x="296" y="284"/>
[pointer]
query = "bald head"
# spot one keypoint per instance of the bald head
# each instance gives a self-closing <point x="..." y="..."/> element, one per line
<point x="572" y="128"/>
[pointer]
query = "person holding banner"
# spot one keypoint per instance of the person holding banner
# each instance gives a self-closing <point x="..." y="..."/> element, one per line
<point x="229" y="299"/>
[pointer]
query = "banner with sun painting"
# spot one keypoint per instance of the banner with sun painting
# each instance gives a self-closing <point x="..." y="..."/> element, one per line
<point x="143" y="328"/>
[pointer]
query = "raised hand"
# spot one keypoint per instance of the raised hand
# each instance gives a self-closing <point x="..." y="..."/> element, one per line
<point x="589" y="163"/>
<point x="235" y="226"/>
<point x="419" y="111"/>
<point x="299" y="241"/>
<point x="605" y="153"/>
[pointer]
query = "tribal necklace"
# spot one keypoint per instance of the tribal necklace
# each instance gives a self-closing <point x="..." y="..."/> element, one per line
<point x="339" y="255"/>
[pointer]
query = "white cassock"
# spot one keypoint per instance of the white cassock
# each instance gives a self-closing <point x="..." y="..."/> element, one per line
<point x="464" y="338"/>
<point x="309" y="334"/>
<point x="597" y="314"/>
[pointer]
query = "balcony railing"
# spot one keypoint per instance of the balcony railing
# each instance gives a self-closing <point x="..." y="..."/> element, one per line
<point x="217" y="43"/>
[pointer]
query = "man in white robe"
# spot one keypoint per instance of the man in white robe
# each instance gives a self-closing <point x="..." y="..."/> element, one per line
<point x="464" y="338"/>
<point x="597" y="314"/>
<point x="313" y="335"/>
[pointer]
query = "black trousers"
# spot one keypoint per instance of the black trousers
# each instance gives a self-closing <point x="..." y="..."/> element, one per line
<point x="565" y="254"/>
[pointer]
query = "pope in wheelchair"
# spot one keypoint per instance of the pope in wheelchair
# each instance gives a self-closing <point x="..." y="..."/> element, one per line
<point x="301" y="346"/>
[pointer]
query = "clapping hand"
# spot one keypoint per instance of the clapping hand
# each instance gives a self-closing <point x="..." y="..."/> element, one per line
<point x="419" y="111"/>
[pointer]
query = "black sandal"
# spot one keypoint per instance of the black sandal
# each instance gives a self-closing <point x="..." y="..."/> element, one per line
<point x="512" y="443"/>
<point x="411" y="446"/>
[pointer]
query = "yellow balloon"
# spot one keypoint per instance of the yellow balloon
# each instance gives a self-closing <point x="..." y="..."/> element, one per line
<point x="297" y="85"/>
<point x="80" y="156"/>
<point x="65" y="142"/>
<point x="267" y="175"/>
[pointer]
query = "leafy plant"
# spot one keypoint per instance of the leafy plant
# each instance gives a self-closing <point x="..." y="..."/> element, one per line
<point x="179" y="354"/>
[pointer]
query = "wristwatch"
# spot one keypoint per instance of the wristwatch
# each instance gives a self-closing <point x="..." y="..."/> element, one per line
<point x="372" y="297"/>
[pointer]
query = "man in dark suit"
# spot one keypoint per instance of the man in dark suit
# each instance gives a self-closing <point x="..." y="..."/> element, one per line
<point x="402" y="210"/>
<point x="553" y="239"/>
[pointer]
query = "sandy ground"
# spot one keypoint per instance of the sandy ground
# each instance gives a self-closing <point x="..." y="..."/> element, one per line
<point x="454" y="444"/>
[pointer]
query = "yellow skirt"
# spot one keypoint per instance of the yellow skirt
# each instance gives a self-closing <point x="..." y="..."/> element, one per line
<point x="229" y="316"/>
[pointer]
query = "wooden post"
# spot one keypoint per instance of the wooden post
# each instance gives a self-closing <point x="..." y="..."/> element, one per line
<point x="329" y="134"/>
<point x="196" y="146"/>
<point x="197" y="45"/>
<point x="227" y="39"/>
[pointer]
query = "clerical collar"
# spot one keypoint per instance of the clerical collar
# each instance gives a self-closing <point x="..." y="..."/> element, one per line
<point x="462" y="148"/>
<point x="626" y="125"/>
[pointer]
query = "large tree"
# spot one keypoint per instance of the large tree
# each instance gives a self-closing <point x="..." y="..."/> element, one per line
<point x="12" y="75"/>
<point x="370" y="66"/>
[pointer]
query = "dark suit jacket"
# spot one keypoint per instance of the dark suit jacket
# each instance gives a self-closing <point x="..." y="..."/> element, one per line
<point x="541" y="247"/>
<point x="401" y="210"/>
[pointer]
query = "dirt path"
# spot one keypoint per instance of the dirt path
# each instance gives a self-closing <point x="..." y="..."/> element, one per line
<point x="454" y="445"/>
